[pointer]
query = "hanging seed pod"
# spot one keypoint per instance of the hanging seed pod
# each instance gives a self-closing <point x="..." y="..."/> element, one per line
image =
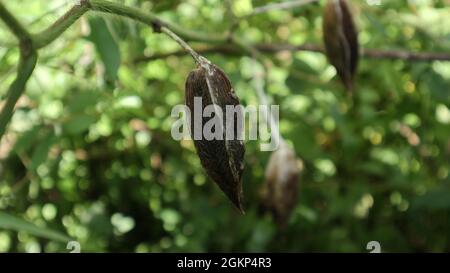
<point x="280" y="190"/>
<point x="341" y="40"/>
<point x="221" y="158"/>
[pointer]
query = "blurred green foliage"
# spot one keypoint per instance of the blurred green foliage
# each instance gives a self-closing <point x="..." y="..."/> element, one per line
<point x="93" y="158"/>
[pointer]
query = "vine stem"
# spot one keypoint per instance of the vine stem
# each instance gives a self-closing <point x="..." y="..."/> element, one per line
<point x="150" y="18"/>
<point x="200" y="60"/>
<point x="280" y="6"/>
<point x="258" y="85"/>
<point x="27" y="63"/>
<point x="13" y="24"/>
<point x="26" y="67"/>
<point x="47" y="36"/>
<point x="366" y="53"/>
<point x="30" y="43"/>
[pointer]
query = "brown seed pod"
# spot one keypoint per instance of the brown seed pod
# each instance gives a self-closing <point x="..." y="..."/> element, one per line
<point x="280" y="190"/>
<point x="221" y="158"/>
<point x="341" y="40"/>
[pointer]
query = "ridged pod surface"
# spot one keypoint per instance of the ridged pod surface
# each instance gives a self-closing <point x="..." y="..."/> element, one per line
<point x="221" y="158"/>
<point x="280" y="190"/>
<point x="341" y="40"/>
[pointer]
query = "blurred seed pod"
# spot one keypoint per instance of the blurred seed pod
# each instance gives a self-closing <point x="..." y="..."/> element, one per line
<point x="223" y="159"/>
<point x="280" y="189"/>
<point x="341" y="40"/>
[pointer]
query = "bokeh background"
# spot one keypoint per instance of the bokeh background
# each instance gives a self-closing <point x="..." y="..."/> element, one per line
<point x="88" y="154"/>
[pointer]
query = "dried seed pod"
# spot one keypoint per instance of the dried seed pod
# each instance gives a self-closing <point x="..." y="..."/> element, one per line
<point x="280" y="190"/>
<point x="221" y="158"/>
<point x="341" y="40"/>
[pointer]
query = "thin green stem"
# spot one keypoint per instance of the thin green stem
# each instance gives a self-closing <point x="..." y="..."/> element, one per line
<point x="245" y="46"/>
<point x="13" y="24"/>
<point x="279" y="6"/>
<point x="50" y="34"/>
<point x="197" y="58"/>
<point x="27" y="64"/>
<point x="150" y="18"/>
<point x="258" y="84"/>
<point x="30" y="43"/>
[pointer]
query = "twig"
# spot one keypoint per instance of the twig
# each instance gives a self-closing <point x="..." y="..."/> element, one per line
<point x="50" y="12"/>
<point x="30" y="43"/>
<point x="258" y="84"/>
<point x="197" y="58"/>
<point x="201" y="49"/>
<point x="366" y="53"/>
<point x="150" y="18"/>
<point x="27" y="63"/>
<point x="275" y="48"/>
<point x="405" y="55"/>
<point x="24" y="71"/>
<point x="50" y="34"/>
<point x="13" y="24"/>
<point x="280" y="6"/>
<point x="173" y="31"/>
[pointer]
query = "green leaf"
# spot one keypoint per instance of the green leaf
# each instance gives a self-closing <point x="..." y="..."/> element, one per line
<point x="106" y="46"/>
<point x="78" y="124"/>
<point x="27" y="139"/>
<point x="437" y="199"/>
<point x="41" y="152"/>
<point x="10" y="222"/>
<point x="438" y="87"/>
<point x="82" y="101"/>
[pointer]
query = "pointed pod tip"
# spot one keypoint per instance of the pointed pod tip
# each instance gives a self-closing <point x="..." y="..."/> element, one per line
<point x="236" y="200"/>
<point x="350" y="87"/>
<point x="222" y="159"/>
<point x="241" y="209"/>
